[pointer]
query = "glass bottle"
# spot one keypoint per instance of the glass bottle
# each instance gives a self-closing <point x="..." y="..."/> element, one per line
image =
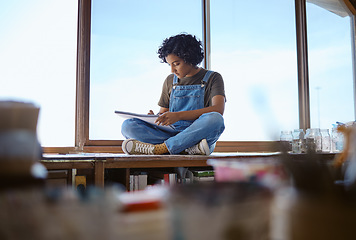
<point x="325" y="141"/>
<point x="313" y="140"/>
<point x="298" y="141"/>
<point x="286" y="139"/>
<point x="337" y="140"/>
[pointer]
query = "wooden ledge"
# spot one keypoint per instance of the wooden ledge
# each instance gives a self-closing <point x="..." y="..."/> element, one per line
<point x="110" y="160"/>
<point x="88" y="160"/>
<point x="101" y="156"/>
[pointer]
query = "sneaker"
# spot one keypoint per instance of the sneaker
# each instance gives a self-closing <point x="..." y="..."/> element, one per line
<point x="202" y="148"/>
<point x="134" y="147"/>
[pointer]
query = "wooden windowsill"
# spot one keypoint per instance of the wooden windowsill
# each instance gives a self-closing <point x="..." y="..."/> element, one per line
<point x="221" y="146"/>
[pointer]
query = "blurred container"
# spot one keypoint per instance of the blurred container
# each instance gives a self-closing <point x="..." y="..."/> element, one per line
<point x="337" y="140"/>
<point x="18" y="116"/>
<point x="313" y="140"/>
<point x="20" y="150"/>
<point x="286" y="139"/>
<point x="38" y="214"/>
<point x="19" y="145"/>
<point x="324" y="217"/>
<point x="298" y="144"/>
<point x="213" y="211"/>
<point x="18" y="131"/>
<point x="325" y="140"/>
<point x="266" y="171"/>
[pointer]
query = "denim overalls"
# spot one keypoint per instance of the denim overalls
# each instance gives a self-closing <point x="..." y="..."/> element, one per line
<point x="208" y="126"/>
<point x="186" y="98"/>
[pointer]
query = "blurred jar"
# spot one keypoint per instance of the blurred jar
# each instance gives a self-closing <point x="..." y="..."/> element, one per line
<point x="313" y="140"/>
<point x="298" y="144"/>
<point x="325" y="140"/>
<point x="326" y="217"/>
<point x="20" y="150"/>
<point x="337" y="140"/>
<point x="286" y="139"/>
<point x="190" y="204"/>
<point x="18" y="132"/>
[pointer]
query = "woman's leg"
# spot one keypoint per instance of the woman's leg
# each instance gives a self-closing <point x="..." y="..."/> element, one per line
<point x="144" y="132"/>
<point x="208" y="126"/>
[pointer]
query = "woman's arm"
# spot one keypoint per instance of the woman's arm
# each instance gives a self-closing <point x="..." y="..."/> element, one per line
<point x="167" y="118"/>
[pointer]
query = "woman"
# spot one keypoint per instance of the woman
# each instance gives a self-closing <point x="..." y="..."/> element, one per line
<point x="192" y="101"/>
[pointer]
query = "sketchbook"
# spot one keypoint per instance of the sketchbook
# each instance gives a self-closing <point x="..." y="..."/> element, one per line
<point x="145" y="117"/>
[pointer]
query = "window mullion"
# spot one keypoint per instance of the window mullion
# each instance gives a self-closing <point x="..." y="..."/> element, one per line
<point x="302" y="58"/>
<point x="83" y="78"/>
<point x="206" y="33"/>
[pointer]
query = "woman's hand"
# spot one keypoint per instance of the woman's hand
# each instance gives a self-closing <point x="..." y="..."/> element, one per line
<point x="150" y="112"/>
<point x="167" y="118"/>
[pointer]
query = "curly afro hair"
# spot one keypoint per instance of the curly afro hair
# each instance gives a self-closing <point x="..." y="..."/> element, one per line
<point x="185" y="46"/>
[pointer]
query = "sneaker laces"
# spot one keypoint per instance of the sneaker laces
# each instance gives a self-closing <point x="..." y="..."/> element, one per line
<point x="144" y="148"/>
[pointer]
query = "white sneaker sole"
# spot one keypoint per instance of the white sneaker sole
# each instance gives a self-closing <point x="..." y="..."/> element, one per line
<point x="205" y="146"/>
<point x="125" y="144"/>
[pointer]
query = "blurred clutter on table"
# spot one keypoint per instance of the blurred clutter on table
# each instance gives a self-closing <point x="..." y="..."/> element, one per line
<point x="293" y="194"/>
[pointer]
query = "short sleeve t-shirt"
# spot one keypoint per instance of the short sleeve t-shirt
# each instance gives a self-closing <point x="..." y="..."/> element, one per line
<point x="215" y="86"/>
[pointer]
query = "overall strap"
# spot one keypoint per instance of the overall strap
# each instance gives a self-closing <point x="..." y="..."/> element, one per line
<point x="206" y="77"/>
<point x="175" y="80"/>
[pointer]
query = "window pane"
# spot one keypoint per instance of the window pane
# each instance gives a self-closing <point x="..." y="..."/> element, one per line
<point x="253" y="47"/>
<point x="38" y="63"/>
<point x="330" y="67"/>
<point x="126" y="73"/>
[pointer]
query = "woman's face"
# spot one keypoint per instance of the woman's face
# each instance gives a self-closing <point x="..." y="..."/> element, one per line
<point x="179" y="67"/>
